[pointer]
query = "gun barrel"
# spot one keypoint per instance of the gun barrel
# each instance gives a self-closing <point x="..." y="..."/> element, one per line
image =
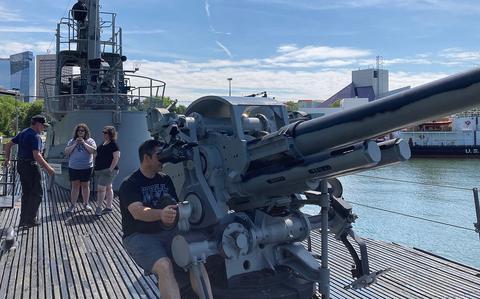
<point x="393" y="151"/>
<point x="286" y="181"/>
<point x="436" y="99"/>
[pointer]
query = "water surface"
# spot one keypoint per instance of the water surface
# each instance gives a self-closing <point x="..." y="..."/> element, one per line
<point x="420" y="198"/>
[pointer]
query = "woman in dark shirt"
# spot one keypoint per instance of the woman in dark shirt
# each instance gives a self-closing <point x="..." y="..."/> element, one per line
<point x="106" y="168"/>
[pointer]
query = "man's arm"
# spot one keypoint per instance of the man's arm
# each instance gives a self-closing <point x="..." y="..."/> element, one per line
<point x="140" y="212"/>
<point x="38" y="157"/>
<point x="8" y="148"/>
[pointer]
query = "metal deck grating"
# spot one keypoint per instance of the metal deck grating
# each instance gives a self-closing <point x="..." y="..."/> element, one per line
<point x="82" y="257"/>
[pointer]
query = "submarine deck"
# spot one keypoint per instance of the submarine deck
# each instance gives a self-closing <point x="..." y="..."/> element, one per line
<point x="82" y="257"/>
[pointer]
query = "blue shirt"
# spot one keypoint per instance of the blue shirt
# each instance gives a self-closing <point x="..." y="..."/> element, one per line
<point x="28" y="141"/>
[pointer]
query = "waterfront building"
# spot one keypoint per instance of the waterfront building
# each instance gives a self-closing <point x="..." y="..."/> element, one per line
<point x="46" y="66"/>
<point x="22" y="72"/>
<point x="5" y="73"/>
<point x="367" y="85"/>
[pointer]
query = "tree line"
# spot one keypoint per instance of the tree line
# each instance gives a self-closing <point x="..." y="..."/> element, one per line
<point x="11" y="108"/>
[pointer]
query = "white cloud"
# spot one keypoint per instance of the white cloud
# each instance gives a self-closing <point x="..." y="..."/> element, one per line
<point x="460" y="55"/>
<point x="207" y="8"/>
<point x="313" y="53"/>
<point x="396" y="61"/>
<point x="291" y="57"/>
<point x="311" y="64"/>
<point x="187" y="82"/>
<point x="152" y="31"/>
<point x="26" y="29"/>
<point x="8" y="48"/>
<point x="225" y="49"/>
<point x="7" y="15"/>
<point x="222" y="63"/>
<point x="312" y="72"/>
<point x="401" y="79"/>
<point x="210" y="25"/>
<point x="285" y="77"/>
<point x="287" y="48"/>
<point x="459" y="6"/>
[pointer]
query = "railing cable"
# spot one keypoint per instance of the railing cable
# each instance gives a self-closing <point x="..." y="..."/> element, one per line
<point x="477" y="225"/>
<point x="412" y="182"/>
<point x="411" y="216"/>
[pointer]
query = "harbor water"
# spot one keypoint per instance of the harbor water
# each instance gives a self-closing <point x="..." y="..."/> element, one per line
<point x="435" y="189"/>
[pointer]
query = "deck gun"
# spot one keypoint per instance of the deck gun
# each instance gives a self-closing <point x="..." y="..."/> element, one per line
<point x="243" y="172"/>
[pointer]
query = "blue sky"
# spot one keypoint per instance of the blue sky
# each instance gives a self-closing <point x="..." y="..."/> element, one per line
<point x="292" y="49"/>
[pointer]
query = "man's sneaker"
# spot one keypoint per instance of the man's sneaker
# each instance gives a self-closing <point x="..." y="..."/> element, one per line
<point x="98" y="211"/>
<point x="88" y="207"/>
<point x="70" y="209"/>
<point x="107" y="210"/>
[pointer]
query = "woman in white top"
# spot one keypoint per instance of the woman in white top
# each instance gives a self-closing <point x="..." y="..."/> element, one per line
<point x="80" y="150"/>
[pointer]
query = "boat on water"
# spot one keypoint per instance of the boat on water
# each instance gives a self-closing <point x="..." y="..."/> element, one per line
<point x="99" y="92"/>
<point x="454" y="136"/>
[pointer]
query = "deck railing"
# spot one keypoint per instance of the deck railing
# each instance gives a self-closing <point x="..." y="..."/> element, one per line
<point x="102" y="90"/>
<point x="8" y="181"/>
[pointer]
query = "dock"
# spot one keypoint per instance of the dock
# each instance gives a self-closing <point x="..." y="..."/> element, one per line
<point x="82" y="257"/>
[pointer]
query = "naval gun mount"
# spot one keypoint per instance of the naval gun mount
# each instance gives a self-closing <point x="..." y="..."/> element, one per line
<point x="242" y="173"/>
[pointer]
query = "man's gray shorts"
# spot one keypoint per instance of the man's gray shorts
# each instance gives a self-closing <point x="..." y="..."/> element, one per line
<point x="146" y="249"/>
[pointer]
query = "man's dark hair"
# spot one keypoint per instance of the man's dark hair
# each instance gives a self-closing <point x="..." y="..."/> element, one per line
<point x="148" y="148"/>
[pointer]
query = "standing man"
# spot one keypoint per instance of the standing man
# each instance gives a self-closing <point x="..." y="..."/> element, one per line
<point x="28" y="166"/>
<point x="148" y="203"/>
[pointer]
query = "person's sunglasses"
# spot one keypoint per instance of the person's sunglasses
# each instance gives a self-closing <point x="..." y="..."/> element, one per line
<point x="104" y="132"/>
<point x="81" y="131"/>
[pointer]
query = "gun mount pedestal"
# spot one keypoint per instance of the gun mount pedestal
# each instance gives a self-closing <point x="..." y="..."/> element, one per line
<point x="243" y="172"/>
<point x="282" y="283"/>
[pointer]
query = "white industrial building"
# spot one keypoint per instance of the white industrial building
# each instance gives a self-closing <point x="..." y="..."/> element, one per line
<point x="367" y="85"/>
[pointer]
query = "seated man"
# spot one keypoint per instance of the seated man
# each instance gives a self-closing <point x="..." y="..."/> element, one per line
<point x="148" y="222"/>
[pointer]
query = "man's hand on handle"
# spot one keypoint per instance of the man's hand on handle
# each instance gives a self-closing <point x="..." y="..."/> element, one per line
<point x="168" y="214"/>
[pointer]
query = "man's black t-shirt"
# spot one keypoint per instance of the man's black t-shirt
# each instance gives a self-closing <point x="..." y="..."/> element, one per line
<point x="105" y="155"/>
<point x="155" y="193"/>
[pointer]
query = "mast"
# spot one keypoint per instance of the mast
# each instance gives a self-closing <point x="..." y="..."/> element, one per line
<point x="93" y="24"/>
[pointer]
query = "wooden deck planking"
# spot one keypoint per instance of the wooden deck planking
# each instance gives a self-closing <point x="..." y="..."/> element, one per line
<point x="418" y="274"/>
<point x="82" y="257"/>
<point x="423" y="265"/>
<point x="8" y="259"/>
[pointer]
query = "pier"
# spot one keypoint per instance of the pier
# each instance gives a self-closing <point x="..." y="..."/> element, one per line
<point x="82" y="257"/>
